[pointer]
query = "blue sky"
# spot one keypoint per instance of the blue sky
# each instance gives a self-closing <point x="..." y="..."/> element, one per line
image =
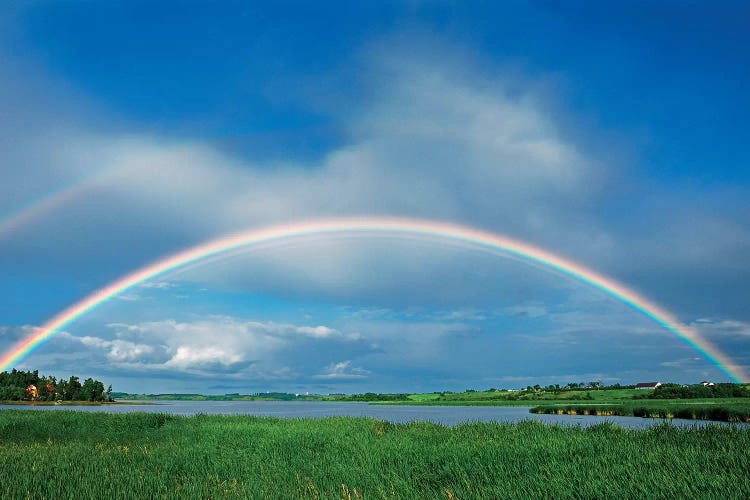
<point x="613" y="135"/>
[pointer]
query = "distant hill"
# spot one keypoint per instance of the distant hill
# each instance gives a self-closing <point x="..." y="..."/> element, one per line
<point x="261" y="396"/>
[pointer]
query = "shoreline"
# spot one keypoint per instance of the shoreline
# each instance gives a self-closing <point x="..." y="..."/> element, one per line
<point x="72" y="403"/>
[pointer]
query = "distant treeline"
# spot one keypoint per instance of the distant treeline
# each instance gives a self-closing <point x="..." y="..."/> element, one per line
<point x="372" y="396"/>
<point x="18" y="385"/>
<point x="677" y="391"/>
<point x="259" y="396"/>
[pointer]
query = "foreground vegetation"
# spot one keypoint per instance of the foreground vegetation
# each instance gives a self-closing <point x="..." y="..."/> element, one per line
<point x="86" y="455"/>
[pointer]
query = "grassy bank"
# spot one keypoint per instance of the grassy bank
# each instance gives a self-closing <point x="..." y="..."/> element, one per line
<point x="626" y="402"/>
<point x="724" y="411"/>
<point x="76" y="454"/>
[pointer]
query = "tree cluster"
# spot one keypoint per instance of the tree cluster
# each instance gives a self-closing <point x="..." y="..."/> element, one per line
<point x="19" y="385"/>
<point x="371" y="396"/>
<point x="677" y="391"/>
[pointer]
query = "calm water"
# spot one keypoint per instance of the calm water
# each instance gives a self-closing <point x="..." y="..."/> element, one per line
<point x="446" y="415"/>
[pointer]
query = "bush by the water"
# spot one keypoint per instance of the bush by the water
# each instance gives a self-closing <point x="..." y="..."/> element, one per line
<point x="677" y="391"/>
<point x="372" y="396"/>
<point x="64" y="454"/>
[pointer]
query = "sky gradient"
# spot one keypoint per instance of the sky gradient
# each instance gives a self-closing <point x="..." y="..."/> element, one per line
<point x="613" y="137"/>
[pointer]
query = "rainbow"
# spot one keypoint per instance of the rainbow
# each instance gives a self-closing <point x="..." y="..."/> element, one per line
<point x="50" y="202"/>
<point x="380" y="225"/>
<point x="14" y="221"/>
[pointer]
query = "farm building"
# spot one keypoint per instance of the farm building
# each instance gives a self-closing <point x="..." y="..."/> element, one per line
<point x="647" y="385"/>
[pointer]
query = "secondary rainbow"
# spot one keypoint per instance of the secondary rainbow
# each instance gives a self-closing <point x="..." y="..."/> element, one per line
<point x="382" y="225"/>
<point x="50" y="202"/>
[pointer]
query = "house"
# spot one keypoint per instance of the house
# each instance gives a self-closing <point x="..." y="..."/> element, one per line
<point x="51" y="390"/>
<point x="706" y="383"/>
<point x="32" y="392"/>
<point x="647" y="385"/>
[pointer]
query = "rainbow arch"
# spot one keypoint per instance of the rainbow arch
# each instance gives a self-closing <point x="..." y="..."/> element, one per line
<point x="382" y="225"/>
<point x="39" y="207"/>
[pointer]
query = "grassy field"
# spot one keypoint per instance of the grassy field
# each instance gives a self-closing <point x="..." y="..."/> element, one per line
<point x="98" y="455"/>
<point x="504" y="398"/>
<point x="430" y="396"/>
<point x="593" y="402"/>
<point x="524" y="398"/>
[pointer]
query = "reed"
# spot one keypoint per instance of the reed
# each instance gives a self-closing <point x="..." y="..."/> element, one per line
<point x="725" y="412"/>
<point x="67" y="454"/>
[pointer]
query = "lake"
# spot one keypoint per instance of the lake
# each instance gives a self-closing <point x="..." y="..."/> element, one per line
<point x="446" y="415"/>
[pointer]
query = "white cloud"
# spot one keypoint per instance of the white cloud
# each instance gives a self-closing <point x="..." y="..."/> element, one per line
<point x="463" y="314"/>
<point x="158" y="285"/>
<point x="322" y="332"/>
<point x="212" y="345"/>
<point x="434" y="142"/>
<point x="437" y="138"/>
<point x="343" y="370"/>
<point x="190" y="357"/>
<point x="715" y="327"/>
<point x="119" y="350"/>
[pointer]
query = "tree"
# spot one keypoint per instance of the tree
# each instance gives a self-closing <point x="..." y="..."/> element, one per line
<point x="92" y="390"/>
<point x="14" y="386"/>
<point x="73" y="390"/>
<point x="47" y="388"/>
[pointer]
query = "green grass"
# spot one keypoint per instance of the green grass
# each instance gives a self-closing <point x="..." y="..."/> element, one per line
<point x="573" y="398"/>
<point x="97" y="455"/>
<point x="424" y="397"/>
<point x="727" y="410"/>
<point x="516" y="398"/>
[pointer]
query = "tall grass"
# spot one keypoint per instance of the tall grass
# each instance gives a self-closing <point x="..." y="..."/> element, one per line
<point x="724" y="412"/>
<point x="78" y="455"/>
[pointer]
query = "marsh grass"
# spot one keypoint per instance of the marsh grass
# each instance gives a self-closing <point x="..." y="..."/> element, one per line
<point x="67" y="454"/>
<point x="724" y="412"/>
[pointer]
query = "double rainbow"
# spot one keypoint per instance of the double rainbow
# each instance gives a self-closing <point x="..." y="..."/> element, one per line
<point x="380" y="225"/>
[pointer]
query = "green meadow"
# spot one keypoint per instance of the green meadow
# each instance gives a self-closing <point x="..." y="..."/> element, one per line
<point x="66" y="454"/>
<point x="607" y="402"/>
